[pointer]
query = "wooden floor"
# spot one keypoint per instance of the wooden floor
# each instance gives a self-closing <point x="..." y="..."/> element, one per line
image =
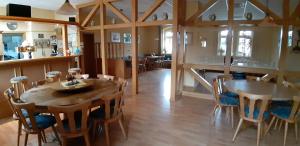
<point x="152" y="121"/>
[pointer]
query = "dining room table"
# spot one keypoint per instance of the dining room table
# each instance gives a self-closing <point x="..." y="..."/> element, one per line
<point x="57" y="94"/>
<point x="278" y="91"/>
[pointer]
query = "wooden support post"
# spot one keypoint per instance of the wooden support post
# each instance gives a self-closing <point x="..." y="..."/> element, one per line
<point x="65" y="39"/>
<point x="134" y="47"/>
<point x="102" y="35"/>
<point x="284" y="43"/>
<point x="174" y="66"/>
<point x="230" y="4"/>
<point x="181" y="59"/>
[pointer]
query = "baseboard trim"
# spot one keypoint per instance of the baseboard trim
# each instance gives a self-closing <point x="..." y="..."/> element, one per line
<point x="198" y="95"/>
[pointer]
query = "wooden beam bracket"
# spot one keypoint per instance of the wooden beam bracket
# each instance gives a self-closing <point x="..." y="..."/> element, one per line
<point x="151" y="10"/>
<point x="117" y="12"/>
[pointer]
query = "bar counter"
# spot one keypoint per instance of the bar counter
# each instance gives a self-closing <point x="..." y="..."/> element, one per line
<point x="34" y="69"/>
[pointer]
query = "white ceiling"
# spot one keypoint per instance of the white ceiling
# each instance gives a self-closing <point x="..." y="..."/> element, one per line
<point x="42" y="4"/>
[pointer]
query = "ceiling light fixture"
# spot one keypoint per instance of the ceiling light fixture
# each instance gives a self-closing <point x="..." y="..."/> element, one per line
<point x="67" y="9"/>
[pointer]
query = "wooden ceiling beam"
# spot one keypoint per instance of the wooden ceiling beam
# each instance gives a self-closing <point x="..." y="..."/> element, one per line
<point x="117" y="12"/>
<point x="296" y="13"/>
<point x="79" y="6"/>
<point x="264" y="8"/>
<point x="201" y="10"/>
<point x="151" y="10"/>
<point x="90" y="15"/>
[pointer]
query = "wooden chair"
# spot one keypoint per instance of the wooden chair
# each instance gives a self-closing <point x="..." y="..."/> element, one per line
<point x="287" y="114"/>
<point x="253" y="109"/>
<point x="109" y="114"/>
<point x="33" y="124"/>
<point x="224" y="98"/>
<point x="143" y="65"/>
<point x="74" y="124"/>
<point x="17" y="82"/>
<point x="9" y="94"/>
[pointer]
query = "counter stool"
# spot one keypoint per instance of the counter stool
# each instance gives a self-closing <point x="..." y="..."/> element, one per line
<point x="19" y="81"/>
<point x="74" y="71"/>
<point x="53" y="75"/>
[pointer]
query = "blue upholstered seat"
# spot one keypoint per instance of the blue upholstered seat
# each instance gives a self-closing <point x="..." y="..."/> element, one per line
<point x="42" y="121"/>
<point x="275" y="104"/>
<point x="239" y="76"/>
<point x="256" y="113"/>
<point x="229" y="98"/>
<point x="282" y="111"/>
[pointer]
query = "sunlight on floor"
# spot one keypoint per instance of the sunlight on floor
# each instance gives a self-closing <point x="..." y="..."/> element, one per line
<point x="167" y="86"/>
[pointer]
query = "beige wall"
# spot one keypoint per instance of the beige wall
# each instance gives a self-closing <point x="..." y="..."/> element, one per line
<point x="148" y="41"/>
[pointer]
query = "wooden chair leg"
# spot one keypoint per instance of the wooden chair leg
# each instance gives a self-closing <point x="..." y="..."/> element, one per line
<point x="285" y="132"/>
<point x="276" y="124"/>
<point x="232" y="118"/>
<point x="87" y="139"/>
<point x="106" y="134"/>
<point x="237" y="129"/>
<point x="95" y="128"/>
<point x="270" y="125"/>
<point x="228" y="113"/>
<point x="19" y="131"/>
<point x="26" y="139"/>
<point x="56" y="135"/>
<point x="213" y="115"/>
<point x="122" y="128"/>
<point x="40" y="139"/>
<point x="258" y="134"/>
<point x="296" y="130"/>
<point x="43" y="136"/>
<point x="280" y="125"/>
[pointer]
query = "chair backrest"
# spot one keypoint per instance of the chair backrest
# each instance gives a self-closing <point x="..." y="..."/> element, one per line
<point x="116" y="109"/>
<point x="122" y="83"/>
<point x="107" y="77"/>
<point x="29" y="121"/>
<point x="220" y="80"/>
<point x="295" y="108"/>
<point x="253" y="103"/>
<point x="216" y="90"/>
<point x="80" y="111"/>
<point x="9" y="94"/>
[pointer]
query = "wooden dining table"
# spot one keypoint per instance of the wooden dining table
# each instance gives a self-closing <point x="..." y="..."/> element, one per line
<point x="49" y="95"/>
<point x="278" y="91"/>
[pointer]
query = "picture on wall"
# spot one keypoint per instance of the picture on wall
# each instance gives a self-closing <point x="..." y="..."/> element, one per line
<point x="115" y="37"/>
<point x="127" y="38"/>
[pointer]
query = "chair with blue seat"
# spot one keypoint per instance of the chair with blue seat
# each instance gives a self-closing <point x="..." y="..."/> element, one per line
<point x="10" y="95"/>
<point x="224" y="98"/>
<point x="33" y="124"/>
<point x="109" y="114"/>
<point x="239" y="76"/>
<point x="75" y="122"/>
<point x="288" y="114"/>
<point x="253" y="108"/>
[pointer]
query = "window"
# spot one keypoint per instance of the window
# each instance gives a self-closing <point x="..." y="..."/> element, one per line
<point x="244" y="43"/>
<point x="290" y="38"/>
<point x="167" y="41"/>
<point x="222" y="46"/>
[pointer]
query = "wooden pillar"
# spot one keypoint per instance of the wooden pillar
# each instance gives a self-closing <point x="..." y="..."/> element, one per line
<point x="181" y="59"/>
<point x="229" y="36"/>
<point x="134" y="47"/>
<point x="284" y="42"/>
<point x="174" y="66"/>
<point x="65" y="39"/>
<point x="103" y="37"/>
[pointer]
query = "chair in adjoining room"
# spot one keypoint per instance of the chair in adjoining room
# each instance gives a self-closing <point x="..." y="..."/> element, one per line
<point x="17" y="83"/>
<point x="33" y="124"/>
<point x="253" y="108"/>
<point x="109" y="114"/>
<point x="288" y="114"/>
<point x="224" y="98"/>
<point x="74" y="71"/>
<point x="74" y="123"/>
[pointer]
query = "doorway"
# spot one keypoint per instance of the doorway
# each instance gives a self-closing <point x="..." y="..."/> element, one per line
<point x="90" y="65"/>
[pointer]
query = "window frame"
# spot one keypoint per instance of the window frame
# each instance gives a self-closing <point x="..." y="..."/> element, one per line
<point x="243" y="36"/>
<point x="219" y="42"/>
